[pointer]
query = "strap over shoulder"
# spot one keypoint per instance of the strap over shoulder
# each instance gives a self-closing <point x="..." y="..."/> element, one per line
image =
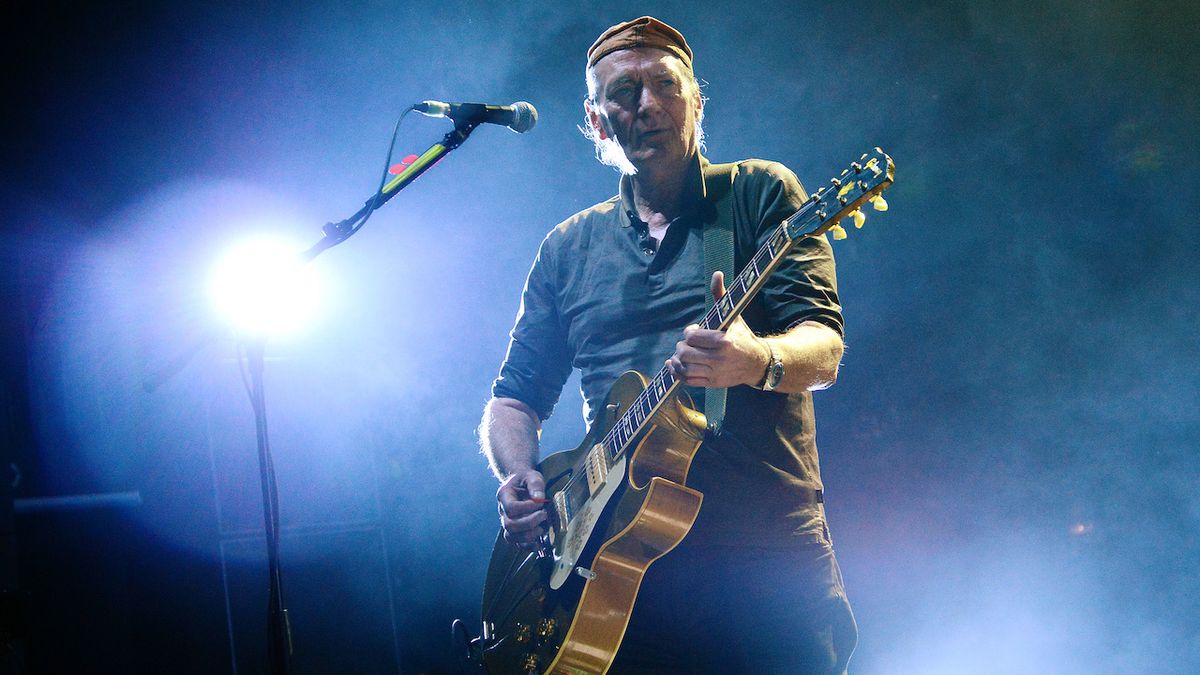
<point x="718" y="255"/>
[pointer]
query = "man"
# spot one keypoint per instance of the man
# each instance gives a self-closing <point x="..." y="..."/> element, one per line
<point x="755" y="586"/>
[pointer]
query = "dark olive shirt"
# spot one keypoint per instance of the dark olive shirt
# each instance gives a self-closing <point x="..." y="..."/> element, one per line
<point x="601" y="297"/>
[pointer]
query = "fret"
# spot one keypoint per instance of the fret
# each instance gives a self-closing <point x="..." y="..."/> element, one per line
<point x="765" y="262"/>
<point x="724" y="309"/>
<point x="780" y="241"/>
<point x="735" y="294"/>
<point x="645" y="402"/>
<point x="769" y="247"/>
<point x="745" y="282"/>
<point x="748" y="276"/>
<point x="753" y="272"/>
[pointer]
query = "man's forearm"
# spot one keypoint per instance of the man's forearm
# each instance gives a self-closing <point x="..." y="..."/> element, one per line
<point x="811" y="353"/>
<point x="508" y="436"/>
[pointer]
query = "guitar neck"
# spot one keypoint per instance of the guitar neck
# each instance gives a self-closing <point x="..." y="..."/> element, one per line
<point x="738" y="294"/>
<point x="864" y="181"/>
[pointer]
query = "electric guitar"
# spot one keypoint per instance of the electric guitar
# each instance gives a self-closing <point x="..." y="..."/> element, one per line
<point x="619" y="501"/>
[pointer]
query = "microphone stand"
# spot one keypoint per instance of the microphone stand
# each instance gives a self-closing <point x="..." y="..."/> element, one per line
<point x="279" y="630"/>
<point x="336" y="233"/>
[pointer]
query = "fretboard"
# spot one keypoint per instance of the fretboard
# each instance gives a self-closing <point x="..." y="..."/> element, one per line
<point x="738" y="294"/>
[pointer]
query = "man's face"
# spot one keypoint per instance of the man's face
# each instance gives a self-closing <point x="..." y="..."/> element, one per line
<point x="647" y="101"/>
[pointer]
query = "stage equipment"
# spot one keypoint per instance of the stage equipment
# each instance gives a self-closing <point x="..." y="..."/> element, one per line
<point x="263" y="288"/>
<point x="520" y="116"/>
<point x="241" y="302"/>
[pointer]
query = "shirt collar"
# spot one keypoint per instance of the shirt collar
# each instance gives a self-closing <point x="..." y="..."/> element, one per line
<point x="697" y="191"/>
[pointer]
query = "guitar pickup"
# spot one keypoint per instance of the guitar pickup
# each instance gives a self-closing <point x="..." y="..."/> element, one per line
<point x="597" y="467"/>
<point x="562" y="509"/>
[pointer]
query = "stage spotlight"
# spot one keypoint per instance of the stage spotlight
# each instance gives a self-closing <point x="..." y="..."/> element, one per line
<point x="264" y="289"/>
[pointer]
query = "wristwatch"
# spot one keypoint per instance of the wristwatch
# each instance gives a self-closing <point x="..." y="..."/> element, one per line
<point x="774" y="374"/>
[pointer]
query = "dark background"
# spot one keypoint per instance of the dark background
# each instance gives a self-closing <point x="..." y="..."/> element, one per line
<point x="1009" y="455"/>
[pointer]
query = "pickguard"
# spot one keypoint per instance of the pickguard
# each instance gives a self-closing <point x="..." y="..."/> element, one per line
<point x="579" y="530"/>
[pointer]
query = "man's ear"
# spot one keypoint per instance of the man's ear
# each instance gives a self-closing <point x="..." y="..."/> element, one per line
<point x="594" y="118"/>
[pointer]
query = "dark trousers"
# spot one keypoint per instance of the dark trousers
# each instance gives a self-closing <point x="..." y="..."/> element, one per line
<point x="737" y="610"/>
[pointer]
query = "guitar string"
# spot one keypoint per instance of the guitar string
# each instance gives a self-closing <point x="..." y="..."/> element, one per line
<point x="779" y="240"/>
<point x="664" y="379"/>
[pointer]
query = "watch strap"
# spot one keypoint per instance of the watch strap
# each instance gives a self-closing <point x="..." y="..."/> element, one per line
<point x="774" y="374"/>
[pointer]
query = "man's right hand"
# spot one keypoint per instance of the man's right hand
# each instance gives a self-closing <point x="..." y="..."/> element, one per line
<point x="522" y="506"/>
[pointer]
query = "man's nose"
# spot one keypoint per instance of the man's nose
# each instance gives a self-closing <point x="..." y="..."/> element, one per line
<point x="648" y="101"/>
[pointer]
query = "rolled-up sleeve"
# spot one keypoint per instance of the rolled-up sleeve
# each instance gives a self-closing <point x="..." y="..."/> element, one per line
<point x="804" y="285"/>
<point x="538" y="361"/>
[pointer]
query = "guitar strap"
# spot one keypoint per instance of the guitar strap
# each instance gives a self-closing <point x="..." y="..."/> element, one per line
<point x="718" y="255"/>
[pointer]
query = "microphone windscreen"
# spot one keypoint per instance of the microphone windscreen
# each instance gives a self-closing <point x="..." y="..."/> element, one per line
<point x="525" y="116"/>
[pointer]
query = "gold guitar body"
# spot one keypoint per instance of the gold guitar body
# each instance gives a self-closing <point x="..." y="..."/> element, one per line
<point x="537" y="621"/>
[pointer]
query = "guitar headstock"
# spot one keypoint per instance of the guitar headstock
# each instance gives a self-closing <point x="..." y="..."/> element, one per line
<point x="863" y="181"/>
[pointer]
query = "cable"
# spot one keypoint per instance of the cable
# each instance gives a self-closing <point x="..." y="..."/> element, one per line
<point x="387" y="165"/>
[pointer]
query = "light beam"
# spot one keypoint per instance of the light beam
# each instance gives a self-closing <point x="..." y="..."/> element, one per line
<point x="263" y="288"/>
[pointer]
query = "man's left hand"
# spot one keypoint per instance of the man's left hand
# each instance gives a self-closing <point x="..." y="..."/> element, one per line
<point x="715" y="358"/>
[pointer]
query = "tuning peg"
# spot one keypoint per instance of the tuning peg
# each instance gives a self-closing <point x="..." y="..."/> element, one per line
<point x="838" y="232"/>
<point x="879" y="203"/>
<point x="859" y="218"/>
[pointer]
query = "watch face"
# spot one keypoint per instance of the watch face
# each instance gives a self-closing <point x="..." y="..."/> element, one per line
<point x="774" y="375"/>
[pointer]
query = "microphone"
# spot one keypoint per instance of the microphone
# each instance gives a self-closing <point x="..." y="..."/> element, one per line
<point x="520" y="116"/>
